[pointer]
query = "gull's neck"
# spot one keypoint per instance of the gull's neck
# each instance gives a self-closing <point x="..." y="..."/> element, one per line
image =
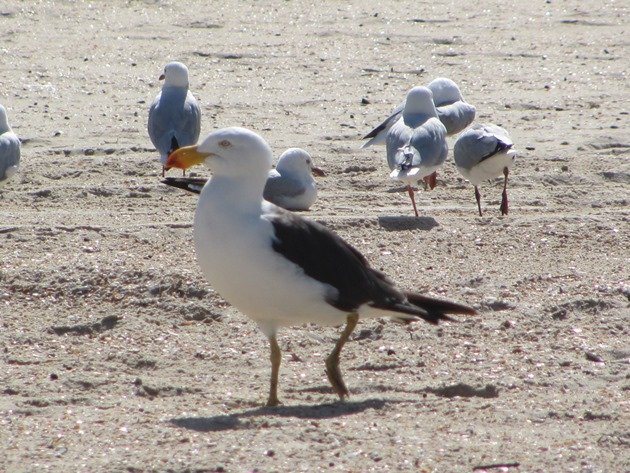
<point x="236" y="196"/>
<point x="179" y="84"/>
<point x="414" y="119"/>
<point x="4" y="125"/>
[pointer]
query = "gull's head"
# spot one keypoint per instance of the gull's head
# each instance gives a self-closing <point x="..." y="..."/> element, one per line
<point x="227" y="152"/>
<point x="420" y="100"/>
<point x="445" y="91"/>
<point x="4" y="121"/>
<point x="297" y="162"/>
<point x="175" y="74"/>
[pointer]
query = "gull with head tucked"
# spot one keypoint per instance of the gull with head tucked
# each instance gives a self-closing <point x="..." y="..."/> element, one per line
<point x="278" y="268"/>
<point x="453" y="111"/>
<point x="174" y="115"/>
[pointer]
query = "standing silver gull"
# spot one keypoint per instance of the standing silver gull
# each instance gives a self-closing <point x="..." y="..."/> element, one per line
<point x="484" y="152"/>
<point x="174" y="115"/>
<point x="9" y="149"/>
<point x="416" y="143"/>
<point x="290" y="185"/>
<point x="281" y="269"/>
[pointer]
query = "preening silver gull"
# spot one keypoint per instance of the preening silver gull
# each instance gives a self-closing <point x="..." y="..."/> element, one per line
<point x="483" y="152"/>
<point x="281" y="269"/>
<point x="9" y="149"/>
<point x="174" y="115"/>
<point x="416" y="143"/>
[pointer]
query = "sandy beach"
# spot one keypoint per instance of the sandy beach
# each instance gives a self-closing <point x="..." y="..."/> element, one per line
<point x="116" y="355"/>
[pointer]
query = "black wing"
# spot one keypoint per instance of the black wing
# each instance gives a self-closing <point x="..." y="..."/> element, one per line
<point x="190" y="184"/>
<point x="500" y="147"/>
<point x="387" y="123"/>
<point x="326" y="257"/>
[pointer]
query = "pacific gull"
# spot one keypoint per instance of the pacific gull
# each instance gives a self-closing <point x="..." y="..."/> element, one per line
<point x="174" y="115"/>
<point x="281" y="269"/>
<point x="483" y="152"/>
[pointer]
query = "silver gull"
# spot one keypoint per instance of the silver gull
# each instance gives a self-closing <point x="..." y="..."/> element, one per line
<point x="174" y="115"/>
<point x="290" y="185"/>
<point x="483" y="152"/>
<point x="416" y="144"/>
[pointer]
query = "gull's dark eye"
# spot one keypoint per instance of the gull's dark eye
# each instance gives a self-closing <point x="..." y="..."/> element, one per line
<point x="225" y="144"/>
<point x="308" y="161"/>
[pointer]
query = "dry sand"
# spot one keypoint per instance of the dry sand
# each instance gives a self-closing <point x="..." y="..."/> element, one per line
<point x="117" y="356"/>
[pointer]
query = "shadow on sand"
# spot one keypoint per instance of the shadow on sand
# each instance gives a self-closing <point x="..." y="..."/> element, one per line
<point x="400" y="223"/>
<point x="243" y="420"/>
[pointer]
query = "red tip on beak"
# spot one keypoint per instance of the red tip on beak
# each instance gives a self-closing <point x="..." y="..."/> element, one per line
<point x="318" y="172"/>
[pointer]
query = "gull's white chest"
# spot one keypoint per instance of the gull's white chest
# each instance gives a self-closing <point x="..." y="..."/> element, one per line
<point x="237" y="257"/>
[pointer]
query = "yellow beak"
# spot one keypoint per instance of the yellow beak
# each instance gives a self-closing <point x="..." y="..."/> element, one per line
<point x="185" y="157"/>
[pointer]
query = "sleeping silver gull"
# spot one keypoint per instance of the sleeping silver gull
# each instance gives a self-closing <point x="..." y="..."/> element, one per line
<point x="281" y="269"/>
<point x="483" y="152"/>
<point x="9" y="149"/>
<point x="416" y="143"/>
<point x="453" y="111"/>
<point x="174" y="115"/>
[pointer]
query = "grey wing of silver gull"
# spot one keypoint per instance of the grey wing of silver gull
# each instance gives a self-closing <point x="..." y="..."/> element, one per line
<point x="483" y="152"/>
<point x="291" y="185"/>
<point x="379" y="134"/>
<point x="174" y="115"/>
<point x="281" y="269"/>
<point x="9" y="149"/>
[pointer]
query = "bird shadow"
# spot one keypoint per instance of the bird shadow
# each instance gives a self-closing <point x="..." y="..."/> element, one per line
<point x="399" y="223"/>
<point x="246" y="419"/>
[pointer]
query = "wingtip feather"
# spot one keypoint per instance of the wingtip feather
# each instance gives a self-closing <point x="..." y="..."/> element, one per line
<point x="432" y="304"/>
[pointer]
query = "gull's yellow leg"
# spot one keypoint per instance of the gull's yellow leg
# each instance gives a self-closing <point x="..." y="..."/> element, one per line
<point x="275" y="357"/>
<point x="332" y="362"/>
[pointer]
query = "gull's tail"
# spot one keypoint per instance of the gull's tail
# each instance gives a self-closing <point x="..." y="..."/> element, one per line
<point x="190" y="184"/>
<point x="416" y="307"/>
<point x="435" y="309"/>
<point x="407" y="160"/>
